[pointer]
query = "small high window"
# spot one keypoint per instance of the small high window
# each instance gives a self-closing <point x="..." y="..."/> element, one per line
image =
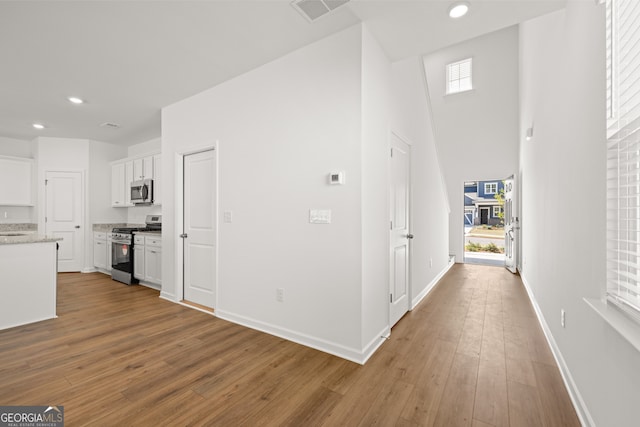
<point x="496" y="211"/>
<point x="490" y="188"/>
<point x="459" y="76"/>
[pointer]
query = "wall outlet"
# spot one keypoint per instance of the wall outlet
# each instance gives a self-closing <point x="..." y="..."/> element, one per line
<point x="228" y="216"/>
<point x="562" y="317"/>
<point x="280" y="295"/>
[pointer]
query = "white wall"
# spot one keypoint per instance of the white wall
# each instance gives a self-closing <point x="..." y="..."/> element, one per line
<point x="563" y="206"/>
<point x="151" y="146"/>
<point x="376" y="106"/>
<point x="64" y="154"/>
<point x="476" y="132"/>
<point x="281" y="129"/>
<point x="100" y="156"/>
<point x="15" y="147"/>
<point x="16" y="214"/>
<point x="411" y="119"/>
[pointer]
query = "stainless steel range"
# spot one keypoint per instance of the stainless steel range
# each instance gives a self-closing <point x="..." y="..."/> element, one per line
<point x="122" y="249"/>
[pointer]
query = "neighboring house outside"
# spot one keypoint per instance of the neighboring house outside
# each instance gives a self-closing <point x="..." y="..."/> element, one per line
<point x="480" y="204"/>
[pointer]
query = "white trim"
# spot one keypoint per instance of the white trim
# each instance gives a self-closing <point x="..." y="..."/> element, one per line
<point x="432" y="284"/>
<point x="576" y="398"/>
<point x="619" y="321"/>
<point x="169" y="297"/>
<point x="493" y="210"/>
<point x="348" y="353"/>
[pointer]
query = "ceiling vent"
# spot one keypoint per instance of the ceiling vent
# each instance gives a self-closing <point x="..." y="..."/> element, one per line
<point x="314" y="9"/>
<point x="110" y="125"/>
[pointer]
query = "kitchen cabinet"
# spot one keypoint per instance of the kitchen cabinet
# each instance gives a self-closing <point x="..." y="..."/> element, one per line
<point x="125" y="171"/>
<point x="143" y="168"/>
<point x="118" y="195"/>
<point x="102" y="251"/>
<point x="16" y="176"/>
<point x="157" y="179"/>
<point x="138" y="257"/>
<point x="147" y="258"/>
<point x="128" y="178"/>
<point x="153" y="259"/>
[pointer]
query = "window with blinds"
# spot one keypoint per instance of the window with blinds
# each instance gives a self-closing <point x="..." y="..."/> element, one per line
<point x="623" y="154"/>
<point x="459" y="76"/>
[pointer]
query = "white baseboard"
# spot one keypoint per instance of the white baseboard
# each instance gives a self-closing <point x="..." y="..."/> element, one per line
<point x="574" y="393"/>
<point x="374" y="344"/>
<point x="88" y="270"/>
<point x="415" y="301"/>
<point x="339" y="350"/>
<point x="168" y="296"/>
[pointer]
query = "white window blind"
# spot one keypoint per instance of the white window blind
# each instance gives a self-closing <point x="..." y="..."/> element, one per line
<point x="459" y="76"/>
<point x="623" y="154"/>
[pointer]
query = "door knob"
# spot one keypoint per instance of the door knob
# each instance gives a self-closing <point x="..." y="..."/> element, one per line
<point x="409" y="236"/>
<point x="183" y="236"/>
<point x="77" y="226"/>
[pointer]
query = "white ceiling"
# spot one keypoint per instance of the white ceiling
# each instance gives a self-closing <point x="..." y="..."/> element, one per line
<point x="128" y="59"/>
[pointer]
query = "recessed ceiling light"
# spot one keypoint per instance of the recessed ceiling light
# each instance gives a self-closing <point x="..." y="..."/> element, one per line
<point x="75" y="100"/>
<point x="458" y="10"/>
<point x="38" y="126"/>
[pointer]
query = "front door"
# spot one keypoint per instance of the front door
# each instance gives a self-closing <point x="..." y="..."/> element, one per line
<point x="200" y="228"/>
<point x="63" y="217"/>
<point x="511" y="225"/>
<point x="484" y="216"/>
<point x="400" y="193"/>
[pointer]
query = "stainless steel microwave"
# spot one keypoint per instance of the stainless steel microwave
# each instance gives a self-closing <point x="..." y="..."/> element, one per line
<point x="142" y="192"/>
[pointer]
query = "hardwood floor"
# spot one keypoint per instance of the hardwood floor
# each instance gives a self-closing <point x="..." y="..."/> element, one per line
<point x="471" y="354"/>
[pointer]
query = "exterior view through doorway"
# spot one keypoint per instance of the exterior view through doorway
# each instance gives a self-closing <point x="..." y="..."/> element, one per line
<point x="484" y="221"/>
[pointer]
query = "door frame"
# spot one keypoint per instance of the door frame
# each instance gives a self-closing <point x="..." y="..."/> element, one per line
<point x="410" y="228"/>
<point x="87" y="238"/>
<point x="179" y="220"/>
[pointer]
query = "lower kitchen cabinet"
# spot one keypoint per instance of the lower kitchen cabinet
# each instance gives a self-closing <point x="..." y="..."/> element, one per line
<point x="153" y="264"/>
<point x="147" y="258"/>
<point x="102" y="251"/>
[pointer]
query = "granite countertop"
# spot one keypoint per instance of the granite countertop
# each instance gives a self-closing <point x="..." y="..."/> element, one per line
<point x="27" y="237"/>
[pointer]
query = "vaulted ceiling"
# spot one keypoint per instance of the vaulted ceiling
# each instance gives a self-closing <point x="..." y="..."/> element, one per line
<point x="128" y="59"/>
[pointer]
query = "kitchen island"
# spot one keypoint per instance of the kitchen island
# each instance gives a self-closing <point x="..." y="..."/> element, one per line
<point x="27" y="278"/>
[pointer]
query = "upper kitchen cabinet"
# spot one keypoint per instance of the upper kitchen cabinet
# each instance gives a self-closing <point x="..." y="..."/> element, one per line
<point x="118" y="187"/>
<point x="126" y="171"/>
<point x="143" y="168"/>
<point x="16" y="187"/>
<point x="157" y="179"/>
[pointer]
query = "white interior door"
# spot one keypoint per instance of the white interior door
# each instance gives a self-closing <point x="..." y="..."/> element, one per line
<point x="64" y="218"/>
<point x="400" y="193"/>
<point x="511" y="225"/>
<point x="200" y="227"/>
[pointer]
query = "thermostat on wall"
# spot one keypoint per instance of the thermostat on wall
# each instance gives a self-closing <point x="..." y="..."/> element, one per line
<point x="336" y="178"/>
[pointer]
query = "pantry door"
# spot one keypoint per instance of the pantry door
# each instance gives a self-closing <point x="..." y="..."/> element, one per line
<point x="199" y="233"/>
<point x="64" y="217"/>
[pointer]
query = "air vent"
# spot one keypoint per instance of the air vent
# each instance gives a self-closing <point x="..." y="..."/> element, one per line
<point x="110" y="125"/>
<point x="314" y="9"/>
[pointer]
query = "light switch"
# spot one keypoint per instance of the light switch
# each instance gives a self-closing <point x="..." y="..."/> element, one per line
<point x="320" y="216"/>
<point x="228" y="216"/>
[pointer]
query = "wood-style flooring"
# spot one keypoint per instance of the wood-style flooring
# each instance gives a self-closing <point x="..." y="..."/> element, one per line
<point x="471" y="354"/>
